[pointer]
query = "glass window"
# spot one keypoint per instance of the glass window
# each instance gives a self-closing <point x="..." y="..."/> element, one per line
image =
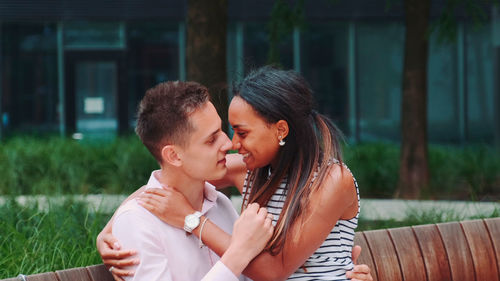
<point x="442" y="92"/>
<point x="379" y="52"/>
<point x="29" y="77"/>
<point x="93" y="35"/>
<point x="152" y="57"/>
<point x="324" y="65"/>
<point x="256" y="47"/>
<point x="480" y="84"/>
<point x="233" y="57"/>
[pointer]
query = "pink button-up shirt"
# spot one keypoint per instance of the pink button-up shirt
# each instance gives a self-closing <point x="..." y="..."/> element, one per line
<point x="168" y="253"/>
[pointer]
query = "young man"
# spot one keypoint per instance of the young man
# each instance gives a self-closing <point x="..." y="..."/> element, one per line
<point x="182" y="130"/>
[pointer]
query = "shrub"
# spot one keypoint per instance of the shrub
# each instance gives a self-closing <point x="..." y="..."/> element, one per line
<point x="463" y="173"/>
<point x="65" y="166"/>
<point x="54" y="165"/>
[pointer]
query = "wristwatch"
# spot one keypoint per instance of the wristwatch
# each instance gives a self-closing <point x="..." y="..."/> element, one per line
<point x="192" y="221"/>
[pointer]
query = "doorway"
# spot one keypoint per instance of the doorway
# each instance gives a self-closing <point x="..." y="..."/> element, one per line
<point x="95" y="99"/>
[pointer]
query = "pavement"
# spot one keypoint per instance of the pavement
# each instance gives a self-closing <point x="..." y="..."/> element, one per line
<point x="371" y="209"/>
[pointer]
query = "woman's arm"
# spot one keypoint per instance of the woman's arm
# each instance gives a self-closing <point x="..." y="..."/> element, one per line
<point x="335" y="199"/>
<point x="109" y="247"/>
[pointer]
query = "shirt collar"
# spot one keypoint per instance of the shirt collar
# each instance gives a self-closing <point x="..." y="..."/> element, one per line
<point x="209" y="192"/>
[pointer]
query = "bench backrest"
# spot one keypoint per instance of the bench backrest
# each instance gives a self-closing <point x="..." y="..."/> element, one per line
<point x="89" y="273"/>
<point x="456" y="251"/>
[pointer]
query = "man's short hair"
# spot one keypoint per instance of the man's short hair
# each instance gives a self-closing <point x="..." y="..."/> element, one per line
<point x="163" y="114"/>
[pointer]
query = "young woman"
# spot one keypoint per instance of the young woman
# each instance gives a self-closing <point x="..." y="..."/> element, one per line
<point x="289" y="160"/>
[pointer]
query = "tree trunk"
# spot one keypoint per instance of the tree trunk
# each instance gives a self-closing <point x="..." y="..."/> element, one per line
<point x="206" y="50"/>
<point x="414" y="171"/>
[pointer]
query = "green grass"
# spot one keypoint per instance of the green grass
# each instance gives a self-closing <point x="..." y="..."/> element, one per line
<point x="34" y="241"/>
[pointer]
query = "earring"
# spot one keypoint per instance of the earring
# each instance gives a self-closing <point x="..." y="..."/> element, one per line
<point x="282" y="142"/>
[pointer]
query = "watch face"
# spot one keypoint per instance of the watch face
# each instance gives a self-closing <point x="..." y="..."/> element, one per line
<point x="192" y="221"/>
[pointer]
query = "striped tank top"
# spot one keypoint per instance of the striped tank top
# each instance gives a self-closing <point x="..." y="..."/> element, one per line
<point x="333" y="258"/>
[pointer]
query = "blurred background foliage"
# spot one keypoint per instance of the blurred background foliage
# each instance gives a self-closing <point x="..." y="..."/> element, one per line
<point x="54" y="165"/>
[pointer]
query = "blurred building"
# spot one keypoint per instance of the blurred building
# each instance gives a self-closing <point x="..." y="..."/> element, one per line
<point x="82" y="66"/>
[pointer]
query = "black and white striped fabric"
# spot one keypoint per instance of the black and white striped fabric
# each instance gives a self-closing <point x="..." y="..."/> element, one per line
<point x="333" y="258"/>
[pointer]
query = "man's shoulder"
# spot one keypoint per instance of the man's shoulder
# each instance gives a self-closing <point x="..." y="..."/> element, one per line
<point x="131" y="212"/>
<point x="132" y="221"/>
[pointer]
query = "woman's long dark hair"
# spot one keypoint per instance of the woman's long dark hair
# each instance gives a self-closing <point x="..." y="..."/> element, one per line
<point x="312" y="143"/>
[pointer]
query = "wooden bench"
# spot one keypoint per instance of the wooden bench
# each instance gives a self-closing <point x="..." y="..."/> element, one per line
<point x="456" y="251"/>
<point x="89" y="273"/>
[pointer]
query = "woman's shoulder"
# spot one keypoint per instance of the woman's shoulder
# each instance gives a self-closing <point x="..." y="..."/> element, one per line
<point x="339" y="172"/>
<point x="338" y="179"/>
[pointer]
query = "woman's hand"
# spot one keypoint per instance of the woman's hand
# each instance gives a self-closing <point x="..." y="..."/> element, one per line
<point x="251" y="232"/>
<point x="113" y="257"/>
<point x="167" y="204"/>
<point x="360" y="272"/>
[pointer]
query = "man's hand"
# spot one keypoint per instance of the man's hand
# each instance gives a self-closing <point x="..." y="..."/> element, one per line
<point x="360" y="272"/>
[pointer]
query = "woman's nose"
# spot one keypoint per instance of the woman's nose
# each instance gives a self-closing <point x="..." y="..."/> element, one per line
<point x="236" y="142"/>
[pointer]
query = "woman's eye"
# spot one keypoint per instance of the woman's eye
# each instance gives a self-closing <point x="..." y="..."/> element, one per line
<point x="241" y="134"/>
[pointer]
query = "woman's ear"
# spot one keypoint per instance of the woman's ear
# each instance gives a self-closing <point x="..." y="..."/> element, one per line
<point x="170" y="155"/>
<point x="282" y="127"/>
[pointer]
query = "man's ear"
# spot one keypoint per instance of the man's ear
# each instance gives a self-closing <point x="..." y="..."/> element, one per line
<point x="282" y="127"/>
<point x="170" y="155"/>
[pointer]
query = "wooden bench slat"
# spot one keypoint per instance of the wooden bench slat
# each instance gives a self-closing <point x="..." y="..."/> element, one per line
<point x="458" y="251"/>
<point x="493" y="226"/>
<point x="47" y="276"/>
<point x="409" y="255"/>
<point x="366" y="255"/>
<point x="483" y="256"/>
<point x="433" y="252"/>
<point x="99" y="272"/>
<point x="72" y="274"/>
<point x="386" y="263"/>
